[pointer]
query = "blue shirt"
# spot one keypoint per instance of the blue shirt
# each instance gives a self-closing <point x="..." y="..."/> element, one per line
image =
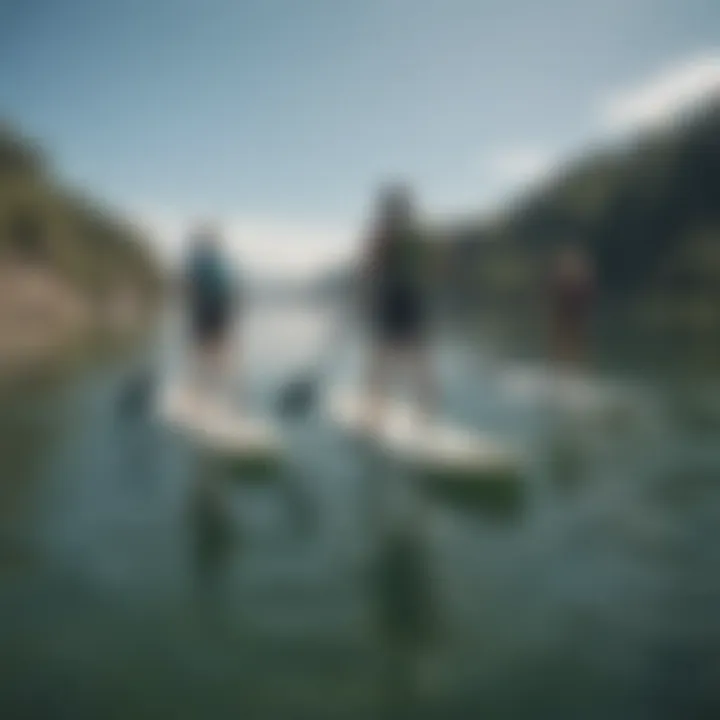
<point x="209" y="278"/>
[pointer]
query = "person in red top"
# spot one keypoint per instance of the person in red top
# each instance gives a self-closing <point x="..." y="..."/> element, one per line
<point x="572" y="300"/>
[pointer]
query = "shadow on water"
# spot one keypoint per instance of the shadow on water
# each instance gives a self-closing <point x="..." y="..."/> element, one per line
<point x="213" y="536"/>
<point x="404" y="614"/>
<point x="406" y="619"/>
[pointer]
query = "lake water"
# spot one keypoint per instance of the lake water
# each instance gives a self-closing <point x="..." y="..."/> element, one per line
<point x="138" y="580"/>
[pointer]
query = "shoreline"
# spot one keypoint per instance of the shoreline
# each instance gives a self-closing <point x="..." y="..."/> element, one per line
<point x="48" y="326"/>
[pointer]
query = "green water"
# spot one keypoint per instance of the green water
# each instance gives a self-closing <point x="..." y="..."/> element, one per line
<point x="139" y="580"/>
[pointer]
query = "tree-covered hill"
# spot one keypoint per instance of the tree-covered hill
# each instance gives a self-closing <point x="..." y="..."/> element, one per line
<point x="648" y="212"/>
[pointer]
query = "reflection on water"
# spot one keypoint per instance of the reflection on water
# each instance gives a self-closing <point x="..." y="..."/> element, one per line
<point x="210" y="528"/>
<point x="405" y="615"/>
<point x="342" y="587"/>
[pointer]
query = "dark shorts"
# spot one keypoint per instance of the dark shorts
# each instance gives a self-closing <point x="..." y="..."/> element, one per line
<point x="399" y="317"/>
<point x="210" y="322"/>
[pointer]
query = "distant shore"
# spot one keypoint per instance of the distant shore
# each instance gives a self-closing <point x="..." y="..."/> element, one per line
<point x="45" y="321"/>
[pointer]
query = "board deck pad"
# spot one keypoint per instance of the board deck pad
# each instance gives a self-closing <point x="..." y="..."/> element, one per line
<point x="441" y="452"/>
<point x="245" y="442"/>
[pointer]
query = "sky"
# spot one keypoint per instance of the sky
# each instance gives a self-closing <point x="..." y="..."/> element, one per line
<point x="280" y="118"/>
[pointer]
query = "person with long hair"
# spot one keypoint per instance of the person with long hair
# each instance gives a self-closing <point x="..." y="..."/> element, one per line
<point x="396" y="300"/>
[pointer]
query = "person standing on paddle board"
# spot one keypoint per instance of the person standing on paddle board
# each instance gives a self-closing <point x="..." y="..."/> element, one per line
<point x="395" y="286"/>
<point x="211" y="300"/>
<point x="572" y="300"/>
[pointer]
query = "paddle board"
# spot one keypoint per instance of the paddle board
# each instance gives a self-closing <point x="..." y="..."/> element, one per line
<point x="214" y="425"/>
<point x="440" y="452"/>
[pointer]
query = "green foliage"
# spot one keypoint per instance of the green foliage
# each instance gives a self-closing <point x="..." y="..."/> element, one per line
<point x="648" y="213"/>
<point x="18" y="156"/>
<point x="41" y="221"/>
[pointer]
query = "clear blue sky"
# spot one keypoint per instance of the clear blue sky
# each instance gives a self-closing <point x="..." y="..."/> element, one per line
<point x="295" y="108"/>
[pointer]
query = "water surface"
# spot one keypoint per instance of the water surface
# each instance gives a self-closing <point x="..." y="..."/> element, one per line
<point x="139" y="580"/>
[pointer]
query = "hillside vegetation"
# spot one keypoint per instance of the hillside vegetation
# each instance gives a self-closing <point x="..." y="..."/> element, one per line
<point x="648" y="212"/>
<point x="69" y="268"/>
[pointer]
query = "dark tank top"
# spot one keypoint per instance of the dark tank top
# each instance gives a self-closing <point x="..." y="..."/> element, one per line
<point x="397" y="267"/>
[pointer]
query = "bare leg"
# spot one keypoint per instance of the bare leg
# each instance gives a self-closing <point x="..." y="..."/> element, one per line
<point x="203" y="375"/>
<point x="420" y="360"/>
<point x="198" y="370"/>
<point x="227" y="385"/>
<point x="219" y="360"/>
<point x="570" y="344"/>
<point x="207" y="365"/>
<point x="376" y="387"/>
<point x="233" y="360"/>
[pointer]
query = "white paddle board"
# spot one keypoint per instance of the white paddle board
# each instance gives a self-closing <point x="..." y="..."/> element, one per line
<point x="219" y="428"/>
<point x="437" y="447"/>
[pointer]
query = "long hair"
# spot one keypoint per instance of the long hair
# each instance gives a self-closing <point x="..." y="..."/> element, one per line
<point x="393" y="217"/>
